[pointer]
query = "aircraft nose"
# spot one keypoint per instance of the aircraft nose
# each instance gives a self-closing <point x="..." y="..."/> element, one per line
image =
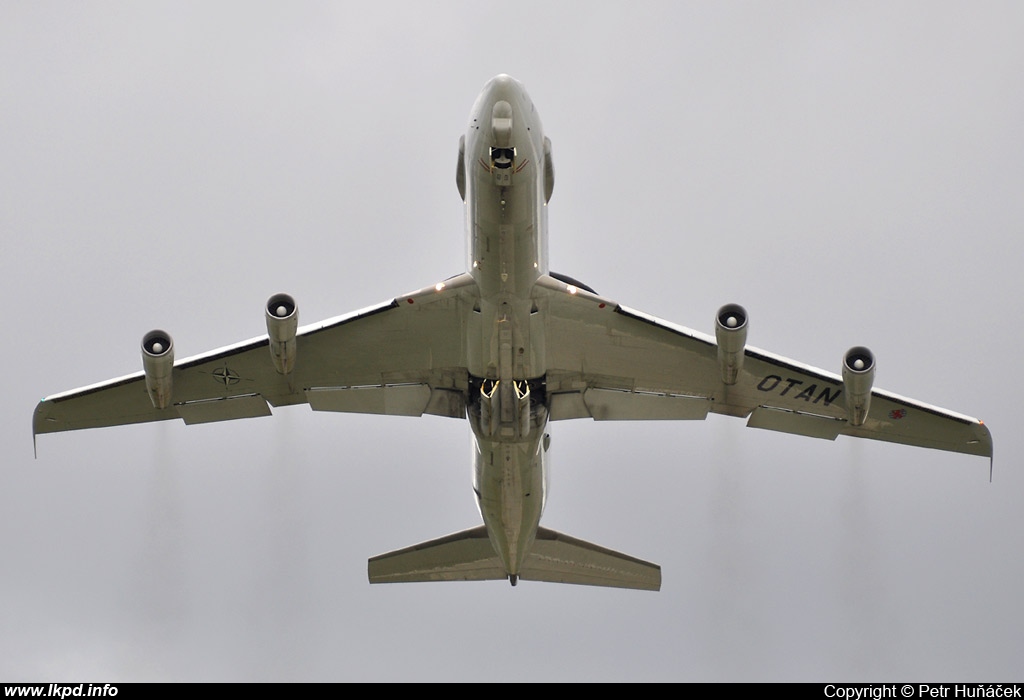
<point x="503" y="87"/>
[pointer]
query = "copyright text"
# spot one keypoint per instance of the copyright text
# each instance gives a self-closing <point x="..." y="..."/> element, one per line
<point x="923" y="690"/>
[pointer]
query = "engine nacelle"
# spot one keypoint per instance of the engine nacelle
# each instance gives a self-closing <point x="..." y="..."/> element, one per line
<point x="282" y="323"/>
<point x="158" y="363"/>
<point x="858" y="376"/>
<point x="731" y="333"/>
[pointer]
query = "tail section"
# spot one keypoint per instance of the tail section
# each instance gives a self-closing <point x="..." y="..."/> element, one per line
<point x="461" y="556"/>
<point x="554" y="557"/>
<point x="559" y="558"/>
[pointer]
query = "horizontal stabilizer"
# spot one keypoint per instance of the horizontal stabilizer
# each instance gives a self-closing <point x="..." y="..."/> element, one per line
<point x="554" y="557"/>
<point x="461" y="556"/>
<point x="562" y="559"/>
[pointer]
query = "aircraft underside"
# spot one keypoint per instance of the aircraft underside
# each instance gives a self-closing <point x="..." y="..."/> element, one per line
<point x="510" y="346"/>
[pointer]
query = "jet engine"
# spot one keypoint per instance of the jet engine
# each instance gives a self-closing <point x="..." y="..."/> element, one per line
<point x="157" y="363"/>
<point x="282" y="324"/>
<point x="858" y="376"/>
<point x="731" y="333"/>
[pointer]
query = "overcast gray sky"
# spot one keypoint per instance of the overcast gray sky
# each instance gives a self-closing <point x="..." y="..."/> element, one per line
<point x="850" y="172"/>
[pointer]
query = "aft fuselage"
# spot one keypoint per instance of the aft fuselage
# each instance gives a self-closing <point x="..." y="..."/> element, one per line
<point x="502" y="177"/>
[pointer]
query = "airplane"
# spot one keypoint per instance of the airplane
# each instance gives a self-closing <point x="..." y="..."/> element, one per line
<point x="510" y="346"/>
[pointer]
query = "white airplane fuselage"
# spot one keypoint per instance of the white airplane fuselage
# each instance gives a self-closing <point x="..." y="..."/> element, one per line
<point x="509" y="345"/>
<point x="503" y="156"/>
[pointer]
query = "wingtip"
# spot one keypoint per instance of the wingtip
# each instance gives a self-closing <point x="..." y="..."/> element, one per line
<point x="989" y="451"/>
<point x="35" y="432"/>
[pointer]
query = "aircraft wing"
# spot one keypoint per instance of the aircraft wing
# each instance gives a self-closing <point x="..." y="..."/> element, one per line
<point x="610" y="362"/>
<point x="403" y="357"/>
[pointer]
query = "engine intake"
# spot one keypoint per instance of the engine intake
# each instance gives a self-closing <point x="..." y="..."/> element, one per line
<point x="158" y="363"/>
<point x="858" y="376"/>
<point x="731" y="333"/>
<point x="282" y="323"/>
